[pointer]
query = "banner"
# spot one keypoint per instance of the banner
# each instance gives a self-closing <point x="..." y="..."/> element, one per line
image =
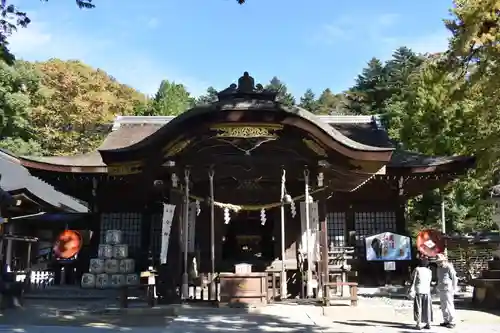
<point x="166" y="226"/>
<point x="314" y="229"/>
<point x="388" y="246"/>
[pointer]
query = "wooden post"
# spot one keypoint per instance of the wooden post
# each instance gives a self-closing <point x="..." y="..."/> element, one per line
<point x="324" y="257"/>
<point x="185" y="277"/>
<point x="124" y="297"/>
<point x="212" y="292"/>
<point x="283" y="282"/>
<point x="322" y="279"/>
<point x="28" y="259"/>
<point x="308" y="235"/>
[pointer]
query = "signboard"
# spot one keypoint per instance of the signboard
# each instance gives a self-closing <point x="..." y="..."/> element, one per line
<point x="389" y="265"/>
<point x="388" y="246"/>
<point x="430" y="242"/>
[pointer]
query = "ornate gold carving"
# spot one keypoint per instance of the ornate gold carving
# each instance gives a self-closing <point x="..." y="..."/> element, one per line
<point x="247" y="130"/>
<point x="176" y="147"/>
<point x="129" y="168"/>
<point x="242" y="285"/>
<point x="316" y="148"/>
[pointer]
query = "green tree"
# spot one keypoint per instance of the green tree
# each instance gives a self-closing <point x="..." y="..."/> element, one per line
<point x="209" y="97"/>
<point x="429" y="119"/>
<point x="370" y="91"/>
<point x="400" y="67"/>
<point x="171" y="99"/>
<point x="308" y="101"/>
<point x="281" y="89"/>
<point x="20" y="92"/>
<point x="78" y="101"/>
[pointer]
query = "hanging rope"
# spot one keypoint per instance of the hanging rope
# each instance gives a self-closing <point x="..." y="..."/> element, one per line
<point x="237" y="208"/>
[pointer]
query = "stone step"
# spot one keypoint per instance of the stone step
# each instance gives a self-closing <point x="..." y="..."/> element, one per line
<point x="491" y="274"/>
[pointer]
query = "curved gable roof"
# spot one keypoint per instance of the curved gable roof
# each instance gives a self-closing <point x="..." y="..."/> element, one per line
<point x="293" y="116"/>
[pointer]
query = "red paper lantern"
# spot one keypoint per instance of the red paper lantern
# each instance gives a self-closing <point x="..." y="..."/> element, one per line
<point x="68" y="244"/>
<point x="430" y="242"/>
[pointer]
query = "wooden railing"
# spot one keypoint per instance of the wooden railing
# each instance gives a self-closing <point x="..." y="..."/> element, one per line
<point x="334" y="271"/>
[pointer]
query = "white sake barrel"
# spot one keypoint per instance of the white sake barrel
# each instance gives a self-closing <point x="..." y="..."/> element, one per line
<point x="111" y="266"/>
<point x="102" y="281"/>
<point x="117" y="280"/>
<point x="113" y="237"/>
<point x="120" y="251"/>
<point x="105" y="251"/>
<point x="88" y="280"/>
<point x="132" y="279"/>
<point x="127" y="266"/>
<point x="96" y="266"/>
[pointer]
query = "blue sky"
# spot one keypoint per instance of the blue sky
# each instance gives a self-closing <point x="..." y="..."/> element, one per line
<point x="306" y="43"/>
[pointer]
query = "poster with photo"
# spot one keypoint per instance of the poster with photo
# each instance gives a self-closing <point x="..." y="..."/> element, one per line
<point x="388" y="246"/>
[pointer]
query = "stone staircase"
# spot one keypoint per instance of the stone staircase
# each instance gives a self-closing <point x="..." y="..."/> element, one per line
<point x="487" y="287"/>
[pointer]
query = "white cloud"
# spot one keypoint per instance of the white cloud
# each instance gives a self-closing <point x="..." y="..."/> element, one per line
<point x="39" y="42"/>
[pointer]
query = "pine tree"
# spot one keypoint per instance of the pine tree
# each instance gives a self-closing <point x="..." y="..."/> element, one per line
<point x="308" y="101"/>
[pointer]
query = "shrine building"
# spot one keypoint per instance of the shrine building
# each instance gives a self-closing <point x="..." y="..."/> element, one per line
<point x="246" y="163"/>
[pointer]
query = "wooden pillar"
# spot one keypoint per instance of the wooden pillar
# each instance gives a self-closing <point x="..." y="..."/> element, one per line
<point x="322" y="271"/>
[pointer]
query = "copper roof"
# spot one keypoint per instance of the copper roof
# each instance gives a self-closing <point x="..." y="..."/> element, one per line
<point x="129" y="130"/>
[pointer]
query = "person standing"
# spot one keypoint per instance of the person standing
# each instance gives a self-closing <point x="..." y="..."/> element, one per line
<point x="420" y="291"/>
<point x="447" y="286"/>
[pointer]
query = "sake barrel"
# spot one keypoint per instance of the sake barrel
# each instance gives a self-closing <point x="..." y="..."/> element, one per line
<point x="105" y="251"/>
<point x="117" y="280"/>
<point x="127" y="266"/>
<point x="88" y="280"/>
<point x="132" y="279"/>
<point x="120" y="251"/>
<point x="111" y="266"/>
<point x="102" y="281"/>
<point x="96" y="266"/>
<point x="113" y="237"/>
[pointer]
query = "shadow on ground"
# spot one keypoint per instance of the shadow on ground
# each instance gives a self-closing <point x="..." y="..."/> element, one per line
<point x="372" y="323"/>
<point x="244" y="322"/>
<point x="189" y="320"/>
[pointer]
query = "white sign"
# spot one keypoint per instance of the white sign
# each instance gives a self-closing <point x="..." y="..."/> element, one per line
<point x="166" y="226"/>
<point x="389" y="265"/>
<point x="313" y="229"/>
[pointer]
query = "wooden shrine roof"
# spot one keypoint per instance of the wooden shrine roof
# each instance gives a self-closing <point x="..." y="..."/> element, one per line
<point x="365" y="130"/>
<point x="18" y="182"/>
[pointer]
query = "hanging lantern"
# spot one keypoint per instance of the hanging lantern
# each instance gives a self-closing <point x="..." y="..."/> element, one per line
<point x="198" y="207"/>
<point x="320" y="179"/>
<point x="293" y="209"/>
<point x="175" y="180"/>
<point x="263" y="216"/>
<point x="227" y="218"/>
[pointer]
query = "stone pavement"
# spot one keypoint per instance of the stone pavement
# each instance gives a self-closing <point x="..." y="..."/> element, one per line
<point x="372" y="315"/>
